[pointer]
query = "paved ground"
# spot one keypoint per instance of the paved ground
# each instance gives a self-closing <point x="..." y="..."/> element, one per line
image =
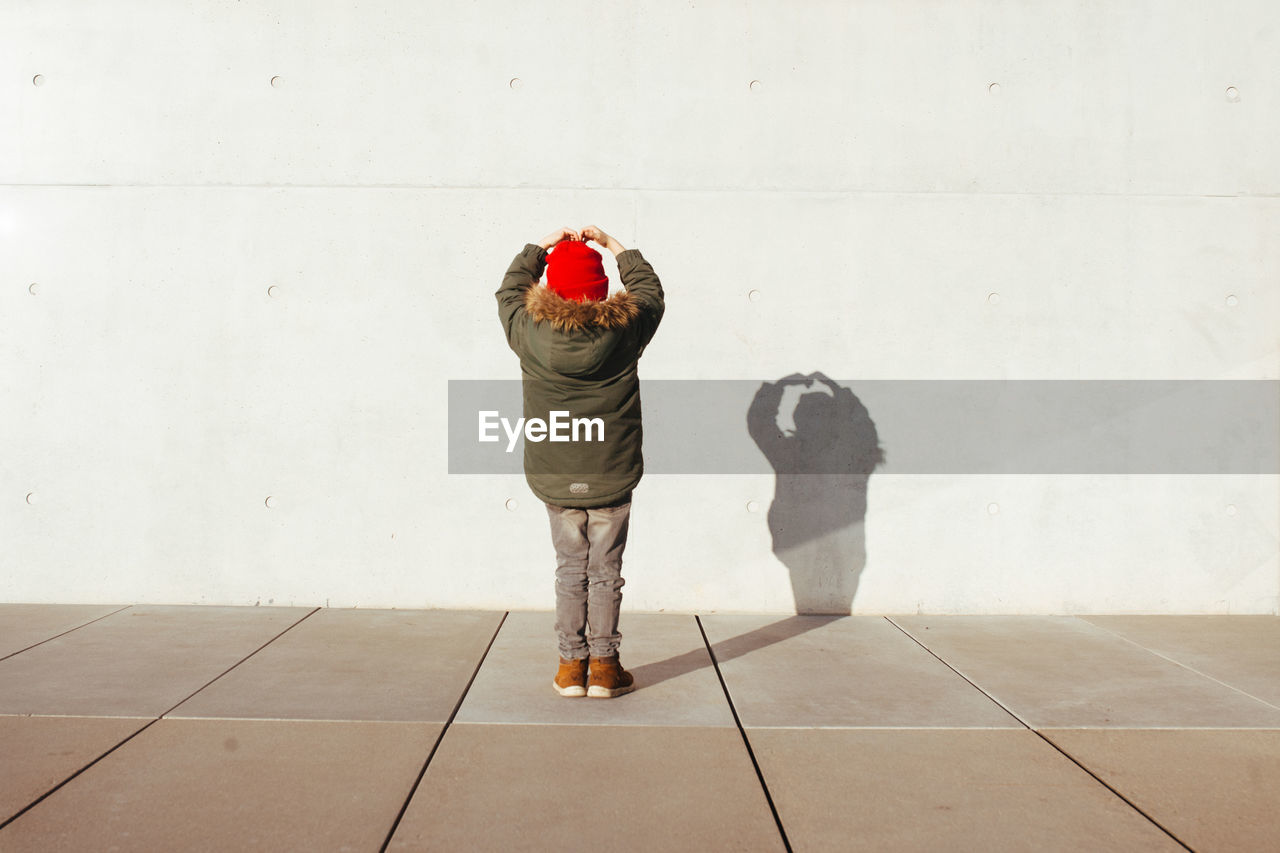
<point x="216" y="728"/>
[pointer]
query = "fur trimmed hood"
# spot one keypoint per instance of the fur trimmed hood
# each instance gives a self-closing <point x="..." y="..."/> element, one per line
<point x="567" y="315"/>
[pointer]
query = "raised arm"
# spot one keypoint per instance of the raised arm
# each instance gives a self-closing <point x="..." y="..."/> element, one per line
<point x="638" y="278"/>
<point x="524" y="272"/>
<point x="592" y="232"/>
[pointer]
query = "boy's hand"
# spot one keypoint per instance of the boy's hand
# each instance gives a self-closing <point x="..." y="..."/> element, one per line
<point x="557" y="236"/>
<point x="591" y="232"/>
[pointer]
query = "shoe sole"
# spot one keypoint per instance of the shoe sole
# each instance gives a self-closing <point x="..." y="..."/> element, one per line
<point x="595" y="691"/>
<point x="571" y="690"/>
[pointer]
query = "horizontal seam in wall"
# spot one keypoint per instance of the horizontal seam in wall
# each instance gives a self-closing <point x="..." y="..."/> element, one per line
<point x="826" y="191"/>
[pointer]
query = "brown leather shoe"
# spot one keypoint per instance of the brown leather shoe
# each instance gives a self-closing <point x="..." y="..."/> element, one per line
<point x="608" y="679"/>
<point x="571" y="678"/>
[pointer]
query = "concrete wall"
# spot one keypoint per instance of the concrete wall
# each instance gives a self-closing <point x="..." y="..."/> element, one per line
<point x="246" y="245"/>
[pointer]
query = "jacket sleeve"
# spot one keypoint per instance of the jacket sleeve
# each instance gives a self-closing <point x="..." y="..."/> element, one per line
<point x="642" y="283"/>
<point x="523" y="272"/>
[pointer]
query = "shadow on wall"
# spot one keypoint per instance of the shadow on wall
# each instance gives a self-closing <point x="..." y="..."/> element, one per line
<point x="823" y="455"/>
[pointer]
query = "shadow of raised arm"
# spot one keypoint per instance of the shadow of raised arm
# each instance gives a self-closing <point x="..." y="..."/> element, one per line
<point x="819" y="507"/>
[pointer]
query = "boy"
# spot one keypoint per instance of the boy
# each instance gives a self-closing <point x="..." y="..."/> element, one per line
<point x="578" y="350"/>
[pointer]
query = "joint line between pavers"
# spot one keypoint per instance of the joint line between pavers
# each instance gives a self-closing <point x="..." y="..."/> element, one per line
<point x="64" y="633"/>
<point x="295" y="719"/>
<point x="1042" y="737"/>
<point x="1187" y="667"/>
<point x="242" y="660"/>
<point x="40" y="799"/>
<point x="395" y="824"/>
<point x="746" y="741"/>
<point x="967" y="679"/>
<point x="1104" y="784"/>
<point x="83" y="716"/>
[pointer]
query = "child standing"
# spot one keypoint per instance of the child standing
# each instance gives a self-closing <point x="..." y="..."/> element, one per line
<point x="578" y="349"/>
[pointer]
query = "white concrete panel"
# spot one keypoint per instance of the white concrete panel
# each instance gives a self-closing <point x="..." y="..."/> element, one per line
<point x="1107" y="213"/>
<point x="963" y="286"/>
<point x="1076" y="544"/>
<point x="168" y="396"/>
<point x="1121" y="97"/>
<point x="899" y="96"/>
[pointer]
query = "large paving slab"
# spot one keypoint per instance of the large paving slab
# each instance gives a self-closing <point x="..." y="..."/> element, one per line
<point x="841" y="671"/>
<point x="1243" y="651"/>
<point x="235" y="785"/>
<point x="1214" y="790"/>
<point x="24" y="625"/>
<point x="1062" y="672"/>
<point x="138" y="662"/>
<point x="497" y="787"/>
<point x="935" y="789"/>
<point x="40" y="752"/>
<point x="407" y="665"/>
<point x="676" y="684"/>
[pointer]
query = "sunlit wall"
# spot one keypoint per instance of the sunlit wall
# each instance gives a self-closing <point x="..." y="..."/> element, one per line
<point x="246" y="246"/>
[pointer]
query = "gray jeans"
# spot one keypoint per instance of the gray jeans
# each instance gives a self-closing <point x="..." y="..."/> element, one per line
<point x="589" y="544"/>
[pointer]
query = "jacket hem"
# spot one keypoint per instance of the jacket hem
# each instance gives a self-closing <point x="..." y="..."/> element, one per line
<point x="584" y="503"/>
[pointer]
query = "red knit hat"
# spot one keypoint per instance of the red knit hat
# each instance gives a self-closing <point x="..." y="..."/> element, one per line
<point x="574" y="271"/>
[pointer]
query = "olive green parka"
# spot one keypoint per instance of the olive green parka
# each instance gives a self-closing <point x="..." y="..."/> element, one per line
<point x="580" y="358"/>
